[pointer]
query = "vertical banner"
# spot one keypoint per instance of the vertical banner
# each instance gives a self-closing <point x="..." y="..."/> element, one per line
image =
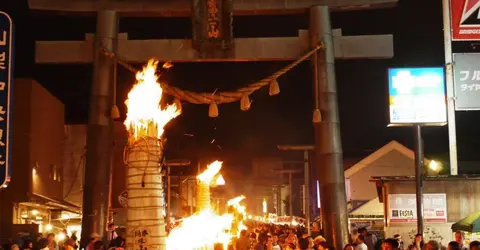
<point x="465" y="21"/>
<point x="212" y="27"/>
<point x="6" y="84"/>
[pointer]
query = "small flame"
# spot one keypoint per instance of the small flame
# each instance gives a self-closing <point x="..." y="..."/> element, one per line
<point x="144" y="115"/>
<point x="212" y="170"/>
<point x="220" y="181"/>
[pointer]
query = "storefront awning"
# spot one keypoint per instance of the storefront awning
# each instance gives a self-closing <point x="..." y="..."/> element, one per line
<point x="471" y="223"/>
<point x="372" y="208"/>
<point x="55" y="204"/>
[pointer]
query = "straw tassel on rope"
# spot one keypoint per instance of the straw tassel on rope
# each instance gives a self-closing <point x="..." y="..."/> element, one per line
<point x="245" y="103"/>
<point x="273" y="89"/>
<point x="115" y="113"/>
<point x="213" y="110"/>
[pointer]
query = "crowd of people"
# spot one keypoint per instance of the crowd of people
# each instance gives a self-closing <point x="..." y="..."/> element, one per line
<point x="258" y="237"/>
<point x="275" y="237"/>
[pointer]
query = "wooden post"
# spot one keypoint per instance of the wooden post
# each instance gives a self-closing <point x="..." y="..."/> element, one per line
<point x="328" y="145"/>
<point x="100" y="131"/>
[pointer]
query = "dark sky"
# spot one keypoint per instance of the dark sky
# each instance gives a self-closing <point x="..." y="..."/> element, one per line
<point x="283" y="119"/>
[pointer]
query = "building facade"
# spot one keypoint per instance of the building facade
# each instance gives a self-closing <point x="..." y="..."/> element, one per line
<point x="34" y="197"/>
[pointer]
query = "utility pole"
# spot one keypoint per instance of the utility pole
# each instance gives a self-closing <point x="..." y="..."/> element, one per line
<point x="306" y="149"/>
<point x="290" y="172"/>
<point x="328" y="143"/>
<point x="172" y="163"/>
<point x="419" y="176"/>
<point x="452" y="128"/>
<point x="100" y="131"/>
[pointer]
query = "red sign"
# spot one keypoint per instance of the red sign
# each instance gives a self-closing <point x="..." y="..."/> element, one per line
<point x="465" y="20"/>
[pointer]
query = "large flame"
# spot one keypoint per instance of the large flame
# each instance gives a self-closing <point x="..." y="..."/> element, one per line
<point x="212" y="170"/>
<point x="144" y="115"/>
<point x="214" y="228"/>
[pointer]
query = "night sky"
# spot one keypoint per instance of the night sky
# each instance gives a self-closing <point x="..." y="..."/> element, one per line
<point x="283" y="119"/>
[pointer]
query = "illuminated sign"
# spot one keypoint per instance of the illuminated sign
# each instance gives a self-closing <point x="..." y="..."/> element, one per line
<point x="417" y="96"/>
<point x="403" y="208"/>
<point x="6" y="82"/>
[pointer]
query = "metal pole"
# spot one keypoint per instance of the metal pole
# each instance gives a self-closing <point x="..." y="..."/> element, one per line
<point x="307" y="190"/>
<point x="169" y="204"/>
<point x="419" y="176"/>
<point x="328" y="144"/>
<point x="100" y="130"/>
<point x="452" y="130"/>
<point x="290" y="195"/>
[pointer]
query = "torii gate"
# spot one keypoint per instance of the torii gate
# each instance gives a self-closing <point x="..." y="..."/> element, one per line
<point x="327" y="132"/>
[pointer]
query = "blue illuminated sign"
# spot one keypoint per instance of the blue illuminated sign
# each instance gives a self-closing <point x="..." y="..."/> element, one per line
<point x="6" y="85"/>
<point x="417" y="96"/>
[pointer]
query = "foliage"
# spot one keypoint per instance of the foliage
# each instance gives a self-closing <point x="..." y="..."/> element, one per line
<point x="429" y="233"/>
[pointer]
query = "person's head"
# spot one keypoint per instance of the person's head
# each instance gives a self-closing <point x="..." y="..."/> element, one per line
<point x="459" y="237"/>
<point x="98" y="245"/>
<point x="390" y="244"/>
<point x="27" y="244"/>
<point x="453" y="245"/>
<point x="418" y="238"/>
<point x="111" y="226"/>
<point x="362" y="231"/>
<point x="322" y="246"/>
<point x="51" y="237"/>
<point x="315" y="226"/>
<point x="432" y="245"/>
<point x="14" y="247"/>
<point x="243" y="233"/>
<point x="349" y="247"/>
<point x="42" y="243"/>
<point x="94" y="237"/>
<point x="360" y="239"/>
<point x="275" y="239"/>
<point x="475" y="245"/>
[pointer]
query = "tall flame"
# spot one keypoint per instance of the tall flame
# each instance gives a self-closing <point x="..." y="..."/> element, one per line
<point x="144" y="115"/>
<point x="212" y="170"/>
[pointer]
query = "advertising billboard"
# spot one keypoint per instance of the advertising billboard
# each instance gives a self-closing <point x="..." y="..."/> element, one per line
<point x="464" y="20"/>
<point x="417" y="96"/>
<point x="6" y="82"/>
<point x="402" y="208"/>
<point x="466" y="74"/>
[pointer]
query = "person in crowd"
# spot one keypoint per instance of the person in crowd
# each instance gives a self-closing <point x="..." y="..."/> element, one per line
<point x="68" y="245"/>
<point x="398" y="238"/>
<point x="390" y="244"/>
<point x="111" y="234"/>
<point x="43" y="244"/>
<point x="475" y="245"/>
<point x="93" y="238"/>
<point x="432" y="245"/>
<point x="27" y="245"/>
<point x="368" y="238"/>
<point x="52" y="244"/>
<point x="14" y="247"/>
<point x="460" y="239"/>
<point x="98" y="245"/>
<point x="243" y="242"/>
<point x="453" y="245"/>
<point x="417" y="243"/>
<point x="349" y="247"/>
<point x="361" y="242"/>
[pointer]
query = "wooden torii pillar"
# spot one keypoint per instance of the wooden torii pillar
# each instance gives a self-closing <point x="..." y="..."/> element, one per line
<point x="327" y="132"/>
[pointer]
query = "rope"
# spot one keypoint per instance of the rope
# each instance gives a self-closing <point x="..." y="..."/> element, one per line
<point x="217" y="97"/>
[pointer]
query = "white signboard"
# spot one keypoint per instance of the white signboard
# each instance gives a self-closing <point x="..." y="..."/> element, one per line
<point x="403" y="208"/>
<point x="417" y="96"/>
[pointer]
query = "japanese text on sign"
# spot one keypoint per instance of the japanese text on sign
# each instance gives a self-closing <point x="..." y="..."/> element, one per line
<point x="6" y="30"/>
<point x="141" y="239"/>
<point x="467" y="75"/>
<point x="213" y="19"/>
